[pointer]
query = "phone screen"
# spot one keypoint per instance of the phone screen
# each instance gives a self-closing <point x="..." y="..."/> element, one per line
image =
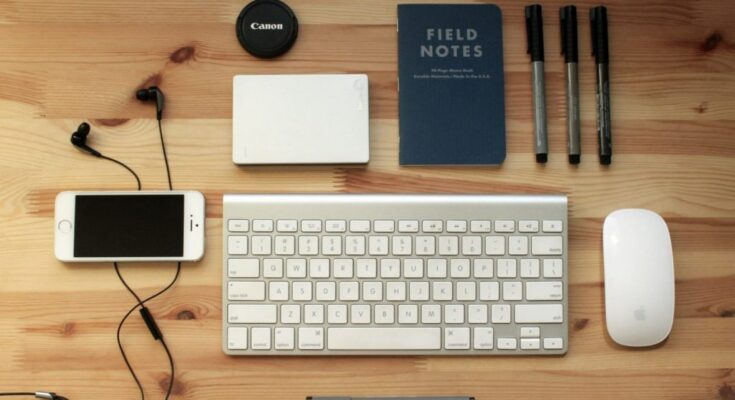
<point x="129" y="225"/>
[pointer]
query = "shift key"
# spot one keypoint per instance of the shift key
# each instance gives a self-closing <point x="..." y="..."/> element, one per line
<point x="546" y="245"/>
<point x="539" y="313"/>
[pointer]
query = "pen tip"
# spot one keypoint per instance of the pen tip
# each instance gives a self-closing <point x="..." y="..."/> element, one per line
<point x="574" y="159"/>
<point x="541" y="158"/>
<point x="605" y="160"/>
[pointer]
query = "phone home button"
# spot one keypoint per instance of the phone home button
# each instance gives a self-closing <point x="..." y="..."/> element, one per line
<point x="65" y="226"/>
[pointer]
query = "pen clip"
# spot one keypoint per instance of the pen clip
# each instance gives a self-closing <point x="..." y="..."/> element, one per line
<point x="528" y="29"/>
<point x="563" y="30"/>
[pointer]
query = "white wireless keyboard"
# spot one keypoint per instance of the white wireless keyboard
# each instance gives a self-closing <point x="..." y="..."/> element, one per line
<point x="395" y="274"/>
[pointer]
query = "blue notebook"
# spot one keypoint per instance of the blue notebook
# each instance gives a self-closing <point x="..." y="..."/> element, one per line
<point x="450" y="86"/>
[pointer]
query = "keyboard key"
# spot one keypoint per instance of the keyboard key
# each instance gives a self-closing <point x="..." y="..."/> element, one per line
<point x="454" y="226"/>
<point x="518" y="245"/>
<point x="287" y="225"/>
<point x="301" y="291"/>
<point x="402" y="245"/>
<point x="481" y="226"/>
<point x="506" y="268"/>
<point x="243" y="267"/>
<point x="337" y="314"/>
<point x="441" y="291"/>
<point x="290" y="314"/>
<point x="530" y="332"/>
<point x="367" y="268"/>
<point x="530" y="344"/>
<point x="539" y="313"/>
<point x="237" y="245"/>
<point x="477" y="314"/>
<point x="237" y="225"/>
<point x="378" y="245"/>
<point x="360" y="226"/>
<point x="308" y="245"/>
<point x="237" y="338"/>
<point x="495" y="245"/>
<point x="384" y="226"/>
<point x="553" y="268"/>
<point x="408" y="226"/>
<point x="384" y="314"/>
<point x="425" y="245"/>
<point x="505" y="226"/>
<point x="395" y="291"/>
<point x="507" y="343"/>
<point x="553" y="343"/>
<point x="482" y="267"/>
<point x="311" y="225"/>
<point x="489" y="291"/>
<point x="261" y="338"/>
<point x="246" y="291"/>
<point x="408" y="314"/>
<point x="448" y="245"/>
<point x="332" y="245"/>
<point x="263" y="225"/>
<point x="251" y="313"/>
<point x="431" y="314"/>
<point x="436" y="268"/>
<point x="459" y="268"/>
<point x="483" y="338"/>
<point x="284" y="339"/>
<point x="319" y="268"/>
<point x="349" y="291"/>
<point x="466" y="291"/>
<point x="471" y="245"/>
<point x="552" y="226"/>
<point x="278" y="291"/>
<point x="549" y="290"/>
<point x="336" y="226"/>
<point x="260" y="245"/>
<point x="372" y="291"/>
<point x="384" y="338"/>
<point x="413" y="268"/>
<point x="529" y="268"/>
<point x="326" y="291"/>
<point x="285" y="245"/>
<point x="456" y="338"/>
<point x="314" y="314"/>
<point x="390" y="268"/>
<point x="500" y="314"/>
<point x="355" y="245"/>
<point x="432" y="226"/>
<point x="360" y="314"/>
<point x="526" y="226"/>
<point x="311" y="338"/>
<point x="546" y="245"/>
<point x="419" y="291"/>
<point x="296" y="268"/>
<point x="273" y="268"/>
<point x="512" y="291"/>
<point x="454" y="314"/>
<point x="343" y="268"/>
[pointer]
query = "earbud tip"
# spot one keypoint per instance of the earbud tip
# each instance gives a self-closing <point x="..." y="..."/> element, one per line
<point x="142" y="94"/>
<point x="83" y="129"/>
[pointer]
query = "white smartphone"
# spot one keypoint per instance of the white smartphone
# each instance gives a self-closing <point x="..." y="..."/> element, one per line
<point x="129" y="226"/>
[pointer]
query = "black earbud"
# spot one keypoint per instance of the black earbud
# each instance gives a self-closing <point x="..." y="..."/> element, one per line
<point x="79" y="139"/>
<point x="153" y="93"/>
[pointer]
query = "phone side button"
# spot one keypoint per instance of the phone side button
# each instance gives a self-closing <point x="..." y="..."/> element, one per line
<point x="65" y="226"/>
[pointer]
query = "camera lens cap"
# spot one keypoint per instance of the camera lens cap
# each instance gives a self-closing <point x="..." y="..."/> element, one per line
<point x="267" y="28"/>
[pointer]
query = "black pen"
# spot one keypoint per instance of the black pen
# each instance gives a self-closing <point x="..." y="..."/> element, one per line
<point x="535" y="33"/>
<point x="568" y="25"/>
<point x="598" y="27"/>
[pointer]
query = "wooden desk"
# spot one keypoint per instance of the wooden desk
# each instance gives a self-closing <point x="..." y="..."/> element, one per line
<point x="673" y="76"/>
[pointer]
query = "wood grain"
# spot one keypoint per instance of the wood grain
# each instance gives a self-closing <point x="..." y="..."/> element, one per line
<point x="61" y="62"/>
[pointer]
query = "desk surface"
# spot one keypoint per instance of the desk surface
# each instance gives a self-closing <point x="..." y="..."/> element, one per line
<point x="672" y="75"/>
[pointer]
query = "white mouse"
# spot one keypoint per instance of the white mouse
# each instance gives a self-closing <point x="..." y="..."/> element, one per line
<point x="639" y="277"/>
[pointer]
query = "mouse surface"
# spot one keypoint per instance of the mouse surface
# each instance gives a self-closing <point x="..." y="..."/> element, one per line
<point x="639" y="277"/>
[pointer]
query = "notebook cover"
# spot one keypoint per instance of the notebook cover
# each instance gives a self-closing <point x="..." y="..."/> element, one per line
<point x="450" y="86"/>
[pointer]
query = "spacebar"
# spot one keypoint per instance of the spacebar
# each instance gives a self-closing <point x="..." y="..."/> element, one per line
<point x="384" y="338"/>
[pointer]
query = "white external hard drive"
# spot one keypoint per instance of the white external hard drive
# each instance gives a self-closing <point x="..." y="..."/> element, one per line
<point x="300" y="119"/>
